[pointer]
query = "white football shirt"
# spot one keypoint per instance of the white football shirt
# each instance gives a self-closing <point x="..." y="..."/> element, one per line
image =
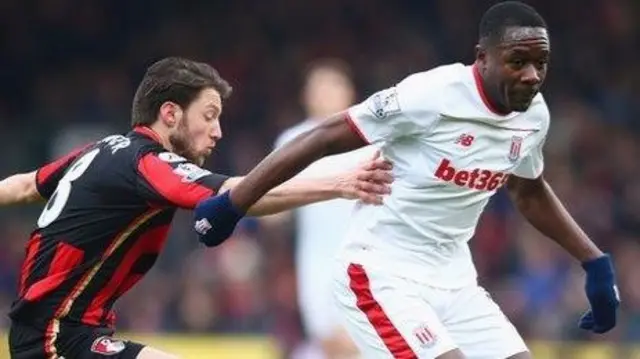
<point x="320" y="227"/>
<point x="450" y="154"/>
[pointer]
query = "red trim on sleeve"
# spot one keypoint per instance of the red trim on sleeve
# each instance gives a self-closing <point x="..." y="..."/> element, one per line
<point x="354" y="127"/>
<point x="169" y="185"/>
<point x="483" y="94"/>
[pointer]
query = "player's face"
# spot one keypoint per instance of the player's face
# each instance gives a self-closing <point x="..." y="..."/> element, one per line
<point x="516" y="67"/>
<point x="327" y="91"/>
<point x="198" y="128"/>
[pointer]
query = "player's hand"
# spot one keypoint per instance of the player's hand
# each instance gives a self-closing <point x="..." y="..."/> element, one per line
<point x="368" y="183"/>
<point x="603" y="296"/>
<point x="215" y="219"/>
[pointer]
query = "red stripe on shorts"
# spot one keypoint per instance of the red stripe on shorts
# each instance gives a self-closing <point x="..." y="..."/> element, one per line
<point x="393" y="340"/>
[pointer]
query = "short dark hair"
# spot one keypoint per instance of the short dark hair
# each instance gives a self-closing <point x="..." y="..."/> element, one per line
<point x="508" y="14"/>
<point x="177" y="80"/>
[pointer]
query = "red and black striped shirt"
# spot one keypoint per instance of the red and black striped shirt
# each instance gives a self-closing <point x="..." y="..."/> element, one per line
<point x="110" y="205"/>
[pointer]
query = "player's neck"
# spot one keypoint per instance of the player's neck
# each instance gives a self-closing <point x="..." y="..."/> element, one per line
<point x="161" y="135"/>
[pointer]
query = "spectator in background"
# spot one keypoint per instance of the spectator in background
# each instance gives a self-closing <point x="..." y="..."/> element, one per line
<point x="319" y="229"/>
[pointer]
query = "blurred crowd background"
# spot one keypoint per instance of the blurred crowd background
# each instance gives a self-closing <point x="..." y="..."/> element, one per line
<point x="69" y="70"/>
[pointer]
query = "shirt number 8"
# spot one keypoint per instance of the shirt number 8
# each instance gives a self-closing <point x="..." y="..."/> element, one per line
<point x="58" y="200"/>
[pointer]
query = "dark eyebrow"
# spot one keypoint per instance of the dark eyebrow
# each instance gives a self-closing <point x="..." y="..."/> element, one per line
<point x="519" y="50"/>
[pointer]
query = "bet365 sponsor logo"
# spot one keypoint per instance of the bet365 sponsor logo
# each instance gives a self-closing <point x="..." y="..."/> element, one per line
<point x="478" y="178"/>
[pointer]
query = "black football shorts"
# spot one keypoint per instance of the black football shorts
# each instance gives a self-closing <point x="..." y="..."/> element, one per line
<point x="71" y="342"/>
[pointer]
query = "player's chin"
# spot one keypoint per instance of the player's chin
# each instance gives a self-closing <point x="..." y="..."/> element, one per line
<point x="202" y="156"/>
<point x="520" y="105"/>
<point x="201" y="160"/>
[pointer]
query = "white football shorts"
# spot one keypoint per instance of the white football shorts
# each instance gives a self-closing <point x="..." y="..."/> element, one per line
<point x="394" y="317"/>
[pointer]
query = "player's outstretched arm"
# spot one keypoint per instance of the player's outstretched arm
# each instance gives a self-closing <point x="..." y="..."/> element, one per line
<point x="334" y="135"/>
<point x="19" y="188"/>
<point x="367" y="183"/>
<point x="216" y="218"/>
<point x="537" y="202"/>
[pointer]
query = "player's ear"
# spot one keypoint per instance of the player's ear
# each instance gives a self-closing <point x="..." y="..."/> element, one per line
<point x="481" y="57"/>
<point x="170" y="113"/>
<point x="481" y="53"/>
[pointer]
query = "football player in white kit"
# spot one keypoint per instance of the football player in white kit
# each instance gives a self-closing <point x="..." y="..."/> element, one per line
<point x="320" y="228"/>
<point x="405" y="279"/>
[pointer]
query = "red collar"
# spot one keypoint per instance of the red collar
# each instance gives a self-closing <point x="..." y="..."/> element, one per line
<point x="147" y="131"/>
<point x="483" y="95"/>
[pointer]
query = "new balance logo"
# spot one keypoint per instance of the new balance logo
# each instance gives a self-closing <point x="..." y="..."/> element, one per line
<point x="479" y="179"/>
<point x="465" y="140"/>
